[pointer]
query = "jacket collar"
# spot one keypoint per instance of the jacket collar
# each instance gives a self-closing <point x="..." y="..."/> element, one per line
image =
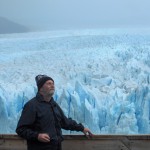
<point x="40" y="98"/>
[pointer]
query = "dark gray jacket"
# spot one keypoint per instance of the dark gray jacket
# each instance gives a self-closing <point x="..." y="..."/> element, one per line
<point x="39" y="116"/>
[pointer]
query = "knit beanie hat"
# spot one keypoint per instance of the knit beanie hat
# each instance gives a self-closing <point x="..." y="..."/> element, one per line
<point x="41" y="79"/>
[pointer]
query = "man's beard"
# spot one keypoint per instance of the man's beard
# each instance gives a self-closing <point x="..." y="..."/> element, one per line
<point x="51" y="93"/>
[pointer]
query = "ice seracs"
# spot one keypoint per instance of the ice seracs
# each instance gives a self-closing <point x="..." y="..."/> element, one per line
<point x="102" y="78"/>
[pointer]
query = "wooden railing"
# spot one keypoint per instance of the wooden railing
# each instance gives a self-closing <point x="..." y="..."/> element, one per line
<point x="80" y="142"/>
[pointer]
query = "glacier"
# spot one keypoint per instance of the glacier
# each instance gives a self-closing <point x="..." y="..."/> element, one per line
<point x="102" y="77"/>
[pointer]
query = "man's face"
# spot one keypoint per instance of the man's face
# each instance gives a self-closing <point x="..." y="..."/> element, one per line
<point x="48" y="88"/>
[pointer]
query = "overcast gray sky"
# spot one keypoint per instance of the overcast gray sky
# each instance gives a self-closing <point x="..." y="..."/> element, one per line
<point x="77" y="13"/>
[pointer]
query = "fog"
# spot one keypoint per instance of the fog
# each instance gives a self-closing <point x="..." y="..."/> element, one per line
<point x="62" y="14"/>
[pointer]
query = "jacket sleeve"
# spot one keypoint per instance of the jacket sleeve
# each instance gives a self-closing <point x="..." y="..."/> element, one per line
<point x="69" y="124"/>
<point x="25" y="124"/>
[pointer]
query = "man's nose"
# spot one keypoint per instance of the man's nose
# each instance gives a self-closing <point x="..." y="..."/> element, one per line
<point x="52" y="85"/>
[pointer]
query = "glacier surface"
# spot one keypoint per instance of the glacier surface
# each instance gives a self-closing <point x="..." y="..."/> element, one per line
<point x="102" y="77"/>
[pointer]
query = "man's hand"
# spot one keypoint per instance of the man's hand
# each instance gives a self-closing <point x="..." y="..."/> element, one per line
<point x="87" y="132"/>
<point x="43" y="137"/>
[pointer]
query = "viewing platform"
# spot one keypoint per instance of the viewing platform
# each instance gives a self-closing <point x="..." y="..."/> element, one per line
<point x="80" y="142"/>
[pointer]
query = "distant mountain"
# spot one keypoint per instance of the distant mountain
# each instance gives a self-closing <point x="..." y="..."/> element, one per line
<point x="8" y="26"/>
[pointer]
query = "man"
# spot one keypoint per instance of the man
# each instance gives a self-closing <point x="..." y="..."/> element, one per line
<point x="42" y="119"/>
